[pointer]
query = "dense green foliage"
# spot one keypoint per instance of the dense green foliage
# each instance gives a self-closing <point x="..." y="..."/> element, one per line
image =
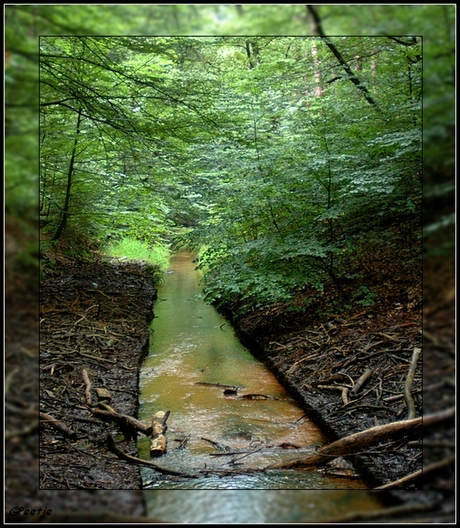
<point x="283" y="153"/>
<point x="283" y="158"/>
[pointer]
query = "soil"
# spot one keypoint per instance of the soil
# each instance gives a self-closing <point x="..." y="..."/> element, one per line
<point x="93" y="324"/>
<point x="95" y="318"/>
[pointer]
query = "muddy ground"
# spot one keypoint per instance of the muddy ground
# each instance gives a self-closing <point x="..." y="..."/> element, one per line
<point x="96" y="319"/>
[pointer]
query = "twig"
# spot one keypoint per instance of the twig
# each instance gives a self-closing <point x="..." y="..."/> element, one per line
<point x="408" y="385"/>
<point x="88" y="386"/>
<point x="361" y="381"/>
<point x="59" y="426"/>
<point x="114" y="449"/>
<point x="427" y="469"/>
<point x="311" y="356"/>
<point x="85" y="314"/>
<point x="400" y="482"/>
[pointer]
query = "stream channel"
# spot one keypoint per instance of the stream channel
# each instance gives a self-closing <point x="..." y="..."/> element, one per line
<point x="194" y="357"/>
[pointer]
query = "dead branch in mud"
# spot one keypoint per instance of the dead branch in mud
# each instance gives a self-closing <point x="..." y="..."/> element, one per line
<point x="134" y="460"/>
<point x="349" y="445"/>
<point x="59" y="426"/>
<point x="408" y="385"/>
<point x="87" y="386"/>
<point x="361" y="381"/>
<point x="422" y="472"/>
<point x="353" y="443"/>
<point x="128" y="423"/>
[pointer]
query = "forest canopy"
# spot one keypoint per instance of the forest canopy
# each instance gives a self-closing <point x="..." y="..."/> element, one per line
<point x="192" y="129"/>
<point x="279" y="159"/>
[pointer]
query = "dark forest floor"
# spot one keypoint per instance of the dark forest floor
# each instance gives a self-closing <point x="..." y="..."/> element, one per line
<point x="98" y="305"/>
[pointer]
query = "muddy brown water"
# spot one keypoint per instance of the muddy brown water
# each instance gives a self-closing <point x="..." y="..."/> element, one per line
<point x="194" y="359"/>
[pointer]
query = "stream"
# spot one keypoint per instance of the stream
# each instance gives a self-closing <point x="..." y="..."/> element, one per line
<point x="230" y="417"/>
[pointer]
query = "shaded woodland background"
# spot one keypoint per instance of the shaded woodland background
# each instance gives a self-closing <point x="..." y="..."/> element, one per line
<point x="24" y="25"/>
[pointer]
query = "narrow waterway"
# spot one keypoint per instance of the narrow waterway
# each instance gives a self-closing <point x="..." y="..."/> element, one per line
<point x="195" y="360"/>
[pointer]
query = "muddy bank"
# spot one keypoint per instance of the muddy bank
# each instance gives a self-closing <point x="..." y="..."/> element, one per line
<point x="320" y="364"/>
<point x="23" y="487"/>
<point x="320" y="359"/>
<point x="94" y="335"/>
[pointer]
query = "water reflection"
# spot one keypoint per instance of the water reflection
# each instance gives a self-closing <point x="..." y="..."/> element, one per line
<point x="255" y="506"/>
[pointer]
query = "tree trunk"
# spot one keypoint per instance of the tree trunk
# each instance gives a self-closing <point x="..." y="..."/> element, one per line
<point x="65" y="209"/>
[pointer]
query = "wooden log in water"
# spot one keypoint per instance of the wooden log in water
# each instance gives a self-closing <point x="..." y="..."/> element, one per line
<point x="158" y="444"/>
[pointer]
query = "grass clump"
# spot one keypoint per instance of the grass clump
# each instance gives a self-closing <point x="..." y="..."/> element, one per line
<point x="131" y="249"/>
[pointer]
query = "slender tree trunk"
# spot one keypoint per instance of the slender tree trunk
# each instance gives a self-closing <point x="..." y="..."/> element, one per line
<point x="65" y="209"/>
<point x="315" y="21"/>
<point x="351" y="75"/>
<point x="317" y="29"/>
<point x="252" y="51"/>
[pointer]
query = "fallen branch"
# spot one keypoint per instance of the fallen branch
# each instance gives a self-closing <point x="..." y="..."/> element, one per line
<point x="343" y="389"/>
<point x="208" y="384"/>
<point x="128" y="423"/>
<point x="87" y="386"/>
<point x="255" y="397"/>
<point x="384" y="513"/>
<point x="349" y="445"/>
<point x="408" y="385"/>
<point x="422" y="472"/>
<point x="220" y="447"/>
<point x="402" y="481"/>
<point x="435" y="418"/>
<point x="361" y="381"/>
<point x="353" y="443"/>
<point x="59" y="426"/>
<point x="134" y="460"/>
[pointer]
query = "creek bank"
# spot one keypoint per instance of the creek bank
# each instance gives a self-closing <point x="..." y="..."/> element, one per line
<point x="319" y="360"/>
<point x="94" y="335"/>
<point x="262" y="332"/>
<point x="315" y="356"/>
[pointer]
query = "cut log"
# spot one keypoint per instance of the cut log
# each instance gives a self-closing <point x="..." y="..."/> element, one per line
<point x="158" y="444"/>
